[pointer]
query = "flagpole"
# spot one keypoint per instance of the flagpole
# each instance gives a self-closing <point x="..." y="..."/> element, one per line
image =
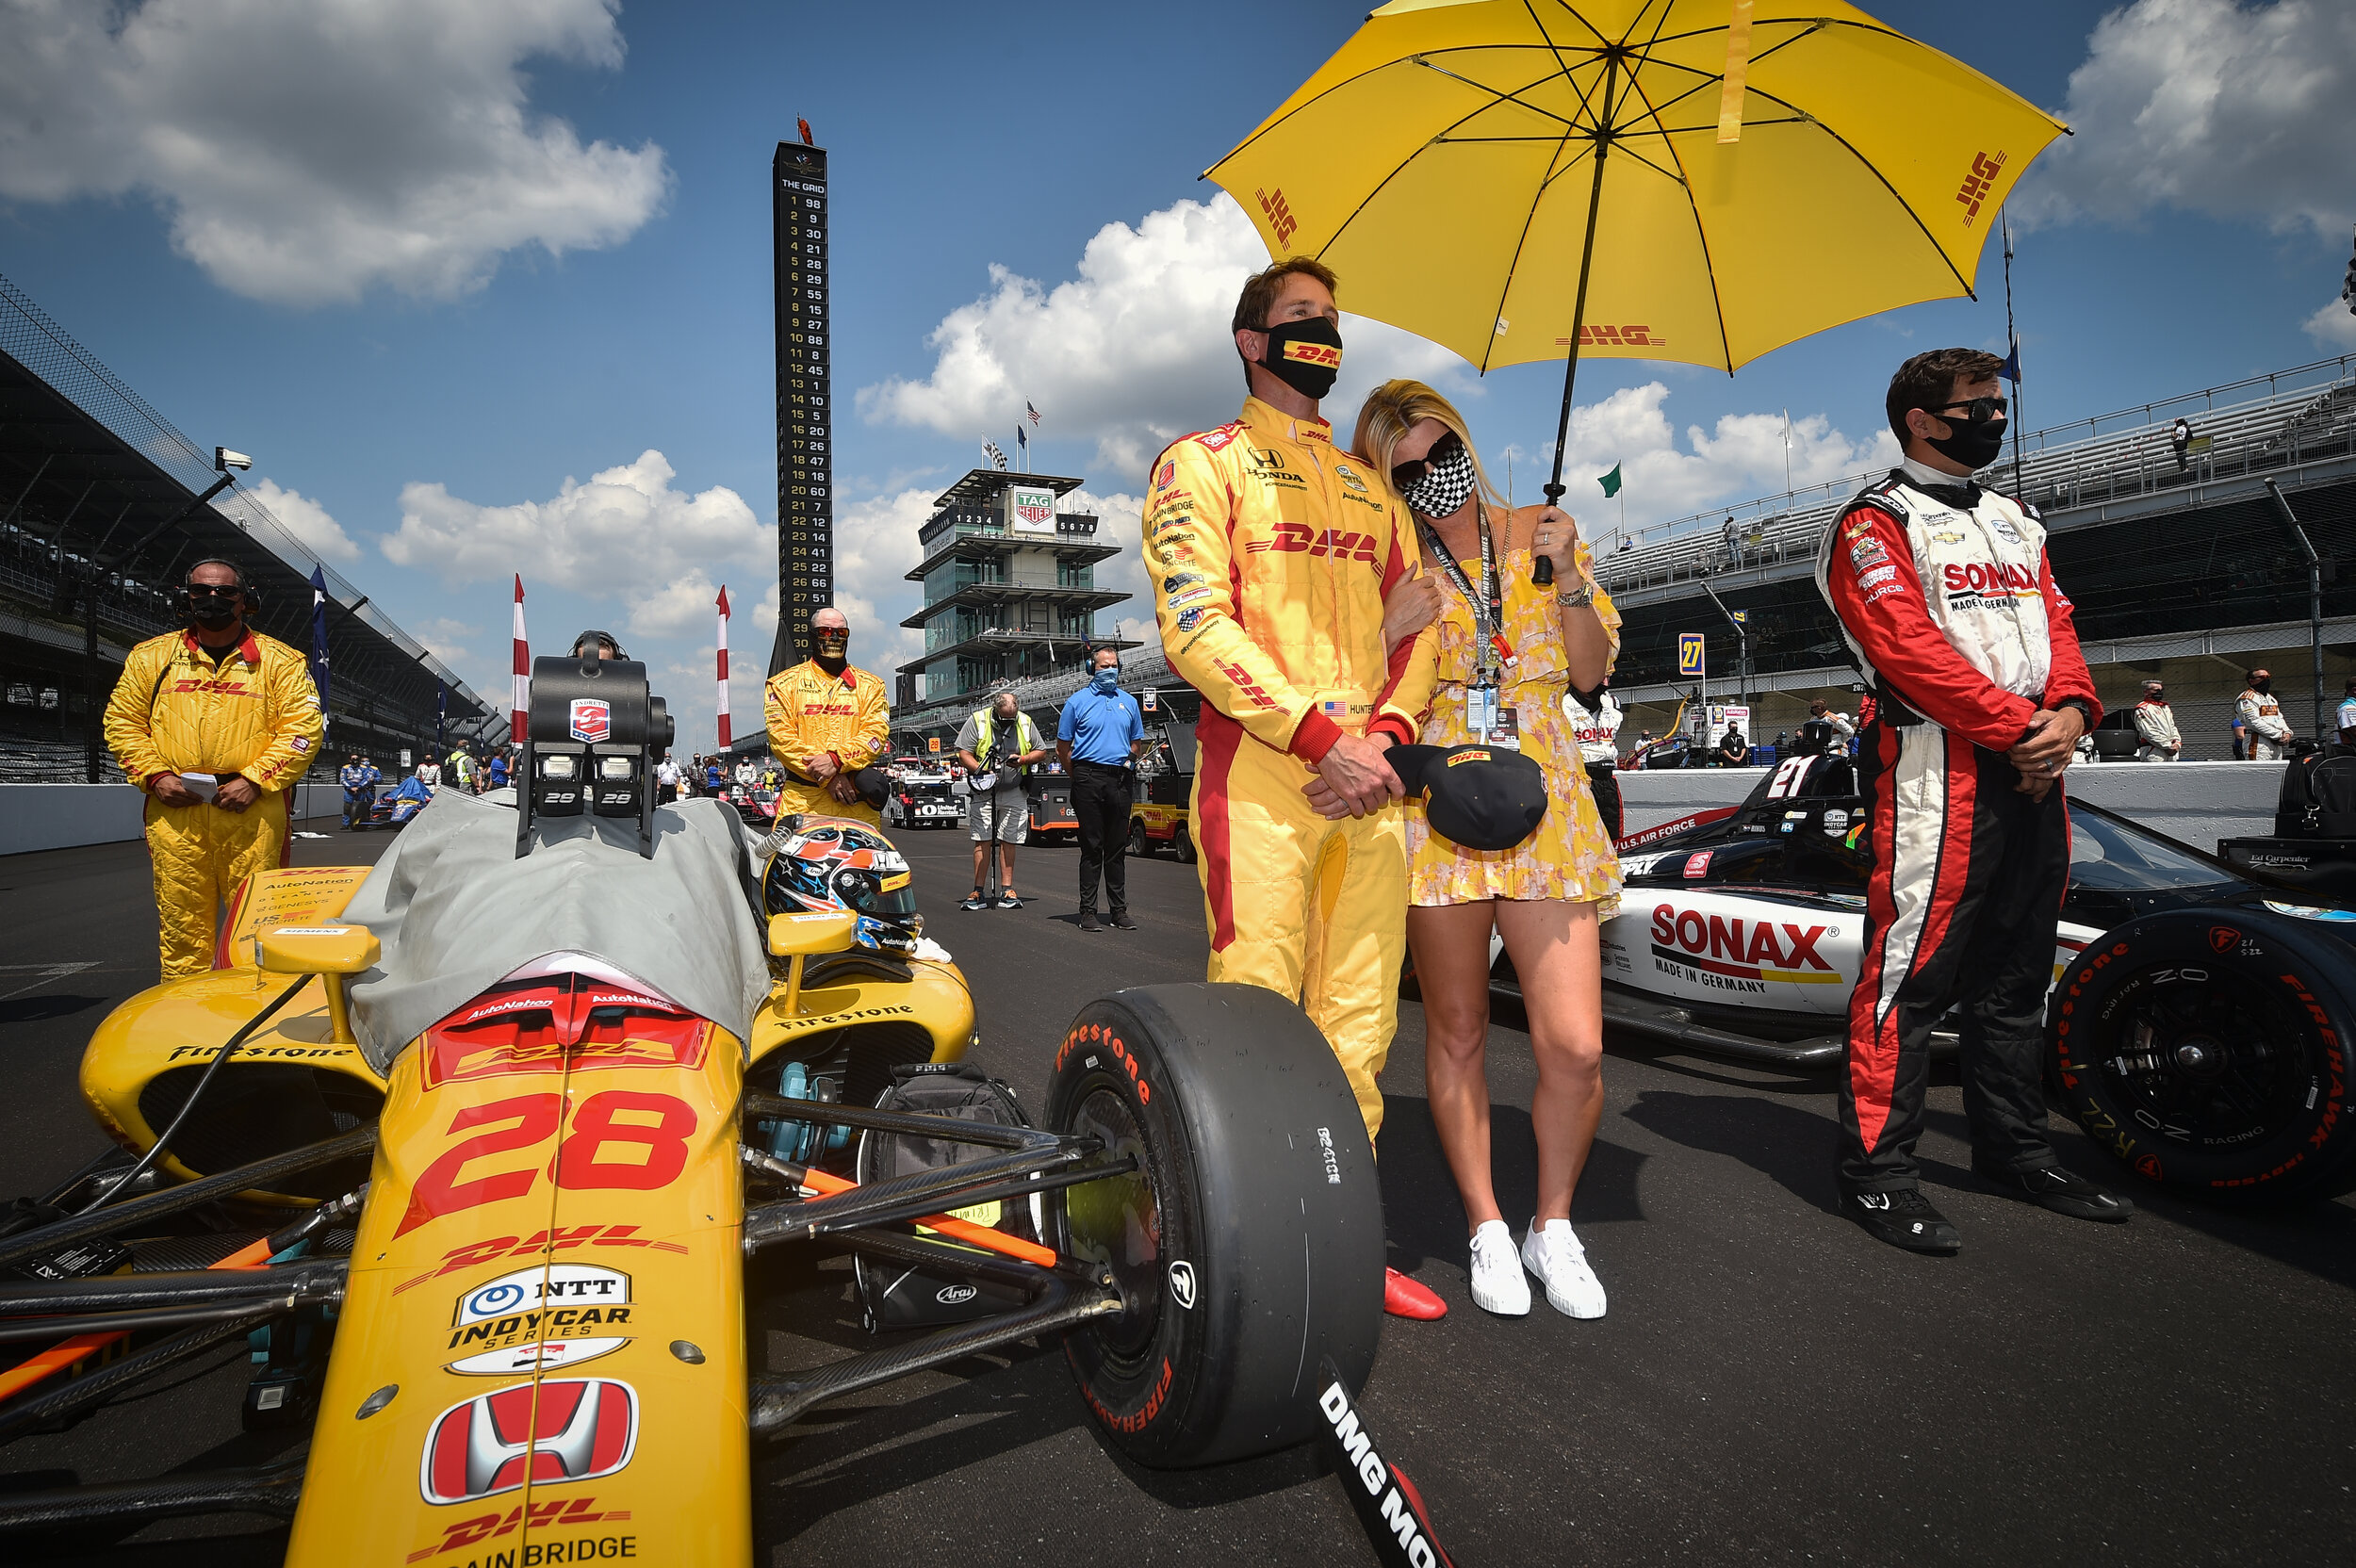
<point x="2012" y="343"/>
<point x="519" y="699"/>
<point x="726" y="737"/>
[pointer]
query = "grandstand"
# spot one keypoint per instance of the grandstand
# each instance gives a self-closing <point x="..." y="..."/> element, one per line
<point x="2182" y="565"/>
<point x="103" y="503"/>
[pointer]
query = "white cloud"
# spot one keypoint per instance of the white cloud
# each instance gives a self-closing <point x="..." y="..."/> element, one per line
<point x="1132" y="352"/>
<point x="875" y="548"/>
<point x="2335" y="324"/>
<point x="2238" y="112"/>
<point x="309" y="522"/>
<point x="306" y="151"/>
<point x="683" y="605"/>
<point x="625" y="534"/>
<point x="447" y="640"/>
<point x="1741" y="458"/>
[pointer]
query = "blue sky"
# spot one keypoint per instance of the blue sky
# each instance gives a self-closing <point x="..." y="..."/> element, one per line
<point x="432" y="269"/>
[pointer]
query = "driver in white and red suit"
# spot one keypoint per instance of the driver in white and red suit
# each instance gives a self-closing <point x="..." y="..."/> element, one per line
<point x="1947" y="600"/>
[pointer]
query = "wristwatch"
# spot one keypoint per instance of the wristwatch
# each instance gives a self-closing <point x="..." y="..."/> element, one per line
<point x="1584" y="597"/>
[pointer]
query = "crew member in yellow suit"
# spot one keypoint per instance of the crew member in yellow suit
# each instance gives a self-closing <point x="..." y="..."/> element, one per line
<point x="828" y="719"/>
<point x="218" y="700"/>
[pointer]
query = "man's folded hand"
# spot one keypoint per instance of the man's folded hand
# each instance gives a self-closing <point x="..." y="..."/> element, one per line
<point x="1353" y="779"/>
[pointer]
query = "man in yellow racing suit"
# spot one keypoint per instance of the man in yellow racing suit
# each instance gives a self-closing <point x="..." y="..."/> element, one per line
<point x="828" y="719"/>
<point x="1271" y="555"/>
<point x="223" y="701"/>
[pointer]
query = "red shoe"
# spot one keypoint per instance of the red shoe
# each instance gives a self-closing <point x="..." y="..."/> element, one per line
<point x="1403" y="1298"/>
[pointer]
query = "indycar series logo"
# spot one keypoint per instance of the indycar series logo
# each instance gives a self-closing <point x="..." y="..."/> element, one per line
<point x="591" y="719"/>
<point x="568" y="1430"/>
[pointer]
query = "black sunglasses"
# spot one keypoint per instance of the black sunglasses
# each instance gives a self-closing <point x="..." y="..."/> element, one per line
<point x="1978" y="410"/>
<point x="1443" y="451"/>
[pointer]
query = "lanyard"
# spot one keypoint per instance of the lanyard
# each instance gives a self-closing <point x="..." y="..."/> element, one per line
<point x="1488" y="606"/>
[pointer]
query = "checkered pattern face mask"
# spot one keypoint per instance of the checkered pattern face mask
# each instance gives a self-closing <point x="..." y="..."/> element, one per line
<point x="1446" y="484"/>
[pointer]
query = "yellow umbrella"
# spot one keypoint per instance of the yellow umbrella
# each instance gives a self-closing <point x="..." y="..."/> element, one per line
<point x="1689" y="180"/>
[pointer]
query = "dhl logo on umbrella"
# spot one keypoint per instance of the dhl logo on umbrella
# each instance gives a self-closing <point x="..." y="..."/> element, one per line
<point x="1744" y="950"/>
<point x="1314" y="353"/>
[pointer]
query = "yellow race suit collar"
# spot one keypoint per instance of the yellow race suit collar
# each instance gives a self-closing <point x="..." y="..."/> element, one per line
<point x="1266" y="419"/>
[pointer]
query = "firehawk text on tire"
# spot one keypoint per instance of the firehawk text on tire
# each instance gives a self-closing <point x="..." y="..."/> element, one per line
<point x="2207" y="1049"/>
<point x="1248" y="1244"/>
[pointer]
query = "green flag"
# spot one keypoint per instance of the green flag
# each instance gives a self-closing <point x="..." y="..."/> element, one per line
<point x="1610" y="481"/>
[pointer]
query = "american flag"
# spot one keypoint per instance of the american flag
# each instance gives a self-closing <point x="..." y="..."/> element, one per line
<point x="1032" y="412"/>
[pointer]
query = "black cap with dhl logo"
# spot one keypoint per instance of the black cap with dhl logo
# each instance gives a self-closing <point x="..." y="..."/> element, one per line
<point x="1482" y="797"/>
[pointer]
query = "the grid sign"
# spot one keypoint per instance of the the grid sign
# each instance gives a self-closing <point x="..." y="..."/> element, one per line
<point x="805" y="412"/>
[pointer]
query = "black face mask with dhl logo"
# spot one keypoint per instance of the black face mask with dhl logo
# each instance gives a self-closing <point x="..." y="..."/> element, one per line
<point x="1305" y="355"/>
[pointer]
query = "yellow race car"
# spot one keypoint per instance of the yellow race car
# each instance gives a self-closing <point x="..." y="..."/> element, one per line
<point x="477" y="1143"/>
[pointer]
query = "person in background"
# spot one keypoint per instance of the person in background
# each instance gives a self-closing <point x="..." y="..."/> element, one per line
<point x="2156" y="727"/>
<point x="1733" y="750"/>
<point x="499" y="769"/>
<point x="1597" y="729"/>
<point x="2259" y="716"/>
<point x="1098" y="737"/>
<point x="213" y="724"/>
<point x="2345" y="720"/>
<point x="359" y="781"/>
<point x="826" y="719"/>
<point x="1843" y="725"/>
<point x="1510" y="654"/>
<point x="462" y="770"/>
<point x="666" y="779"/>
<point x="1000" y="740"/>
<point x="429" y="772"/>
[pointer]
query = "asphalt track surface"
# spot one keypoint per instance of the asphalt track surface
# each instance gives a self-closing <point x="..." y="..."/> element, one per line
<point x="1770" y="1384"/>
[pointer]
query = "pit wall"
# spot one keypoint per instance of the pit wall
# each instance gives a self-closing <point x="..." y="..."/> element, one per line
<point x="2197" y="801"/>
<point x="60" y="816"/>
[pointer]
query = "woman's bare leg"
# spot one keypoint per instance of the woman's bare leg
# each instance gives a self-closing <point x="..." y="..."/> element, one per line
<point x="1451" y="948"/>
<point x="1553" y="948"/>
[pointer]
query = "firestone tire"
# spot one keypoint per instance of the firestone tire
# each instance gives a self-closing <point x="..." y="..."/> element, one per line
<point x="2207" y="1049"/>
<point x="1248" y="1246"/>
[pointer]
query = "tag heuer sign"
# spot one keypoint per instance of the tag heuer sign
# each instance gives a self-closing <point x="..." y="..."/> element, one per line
<point x="1029" y="510"/>
<point x="591" y="719"/>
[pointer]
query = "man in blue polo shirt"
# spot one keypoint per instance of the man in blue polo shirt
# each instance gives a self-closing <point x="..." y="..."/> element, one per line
<point x="1097" y="740"/>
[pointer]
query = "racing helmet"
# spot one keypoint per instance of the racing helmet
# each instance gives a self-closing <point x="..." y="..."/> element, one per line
<point x="827" y="864"/>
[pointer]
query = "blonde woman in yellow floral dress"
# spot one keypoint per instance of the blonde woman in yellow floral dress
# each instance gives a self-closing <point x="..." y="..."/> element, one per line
<point x="1526" y="645"/>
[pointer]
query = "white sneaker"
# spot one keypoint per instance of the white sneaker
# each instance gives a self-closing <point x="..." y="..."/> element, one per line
<point x="1555" y="1255"/>
<point x="1498" y="1284"/>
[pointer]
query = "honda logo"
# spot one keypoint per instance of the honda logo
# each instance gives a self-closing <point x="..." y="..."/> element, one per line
<point x="573" y="1430"/>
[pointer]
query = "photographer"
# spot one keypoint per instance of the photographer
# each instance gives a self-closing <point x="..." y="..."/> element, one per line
<point x="998" y="744"/>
